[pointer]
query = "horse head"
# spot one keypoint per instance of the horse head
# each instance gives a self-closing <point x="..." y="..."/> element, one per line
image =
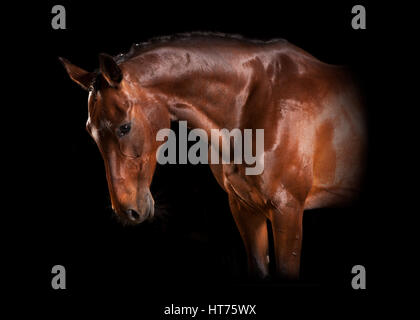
<point x="123" y="119"/>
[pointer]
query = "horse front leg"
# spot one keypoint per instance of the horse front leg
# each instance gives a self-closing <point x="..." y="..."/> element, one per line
<point x="252" y="226"/>
<point x="287" y="235"/>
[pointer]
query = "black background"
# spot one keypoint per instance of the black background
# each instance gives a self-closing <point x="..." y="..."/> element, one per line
<point x="192" y="252"/>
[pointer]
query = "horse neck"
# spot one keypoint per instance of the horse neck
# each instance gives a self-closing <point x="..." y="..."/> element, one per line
<point x="201" y="96"/>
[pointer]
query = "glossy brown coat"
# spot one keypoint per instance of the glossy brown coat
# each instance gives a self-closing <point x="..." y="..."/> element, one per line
<point x="310" y="112"/>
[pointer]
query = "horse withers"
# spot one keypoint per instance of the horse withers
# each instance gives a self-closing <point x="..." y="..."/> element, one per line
<point x="310" y="111"/>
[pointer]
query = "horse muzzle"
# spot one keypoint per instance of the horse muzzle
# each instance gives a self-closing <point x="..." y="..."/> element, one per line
<point x="145" y="210"/>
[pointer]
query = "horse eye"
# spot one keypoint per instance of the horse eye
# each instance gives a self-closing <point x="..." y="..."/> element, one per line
<point x="124" y="129"/>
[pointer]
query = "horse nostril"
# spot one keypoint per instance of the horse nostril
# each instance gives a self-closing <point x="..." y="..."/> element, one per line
<point x="132" y="214"/>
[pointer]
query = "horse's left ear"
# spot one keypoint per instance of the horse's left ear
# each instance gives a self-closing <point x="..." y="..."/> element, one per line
<point x="110" y="70"/>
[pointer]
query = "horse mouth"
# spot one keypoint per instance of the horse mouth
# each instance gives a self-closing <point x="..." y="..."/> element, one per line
<point x="128" y="220"/>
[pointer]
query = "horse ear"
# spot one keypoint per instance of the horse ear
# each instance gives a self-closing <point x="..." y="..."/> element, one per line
<point x="78" y="75"/>
<point x="110" y="70"/>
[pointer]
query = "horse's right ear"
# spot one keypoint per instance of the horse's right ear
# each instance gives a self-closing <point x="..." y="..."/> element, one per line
<point x="78" y="75"/>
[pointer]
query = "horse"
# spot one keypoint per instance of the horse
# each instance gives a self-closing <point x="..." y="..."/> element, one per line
<point x="311" y="112"/>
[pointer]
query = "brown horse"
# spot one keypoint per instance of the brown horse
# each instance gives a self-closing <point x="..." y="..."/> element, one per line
<point x="314" y="132"/>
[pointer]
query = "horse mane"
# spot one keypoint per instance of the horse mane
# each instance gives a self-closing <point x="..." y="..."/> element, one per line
<point x="138" y="48"/>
